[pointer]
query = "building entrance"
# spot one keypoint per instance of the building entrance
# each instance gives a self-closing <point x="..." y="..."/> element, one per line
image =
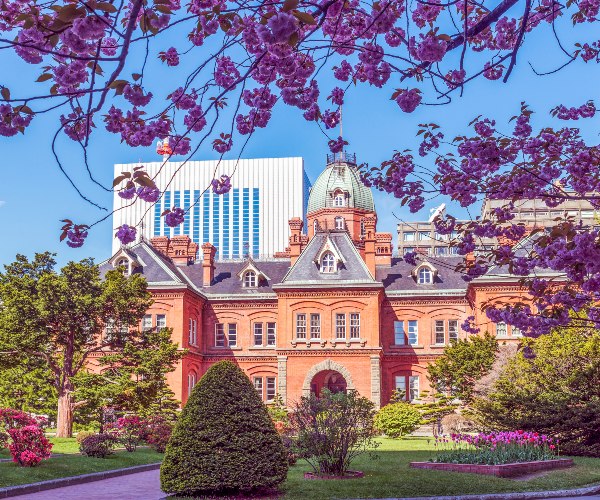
<point x="332" y="380"/>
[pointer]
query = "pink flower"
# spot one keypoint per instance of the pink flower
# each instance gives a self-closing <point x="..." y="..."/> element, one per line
<point x="408" y="100"/>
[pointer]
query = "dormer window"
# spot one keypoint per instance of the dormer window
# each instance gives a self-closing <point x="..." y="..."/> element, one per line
<point x="425" y="276"/>
<point x="250" y="279"/>
<point x="123" y="262"/>
<point x="339" y="223"/>
<point x="328" y="263"/>
<point x="339" y="200"/>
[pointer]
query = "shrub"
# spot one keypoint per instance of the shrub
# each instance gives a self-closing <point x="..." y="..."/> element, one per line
<point x="455" y="423"/>
<point x="332" y="430"/>
<point x="29" y="446"/>
<point x="157" y="432"/>
<point x="128" y="431"/>
<point x="3" y="439"/>
<point x="278" y="411"/>
<point x="397" y="419"/>
<point x="81" y="435"/>
<point x="224" y="441"/>
<point x="98" y="445"/>
<point x="12" y="419"/>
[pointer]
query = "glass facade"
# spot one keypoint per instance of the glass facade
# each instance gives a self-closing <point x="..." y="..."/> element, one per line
<point x="215" y="219"/>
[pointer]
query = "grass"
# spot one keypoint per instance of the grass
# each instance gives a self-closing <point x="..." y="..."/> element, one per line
<point x="71" y="463"/>
<point x="386" y="476"/>
<point x="390" y="476"/>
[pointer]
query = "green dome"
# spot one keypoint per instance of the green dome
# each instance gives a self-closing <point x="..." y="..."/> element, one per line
<point x="344" y="177"/>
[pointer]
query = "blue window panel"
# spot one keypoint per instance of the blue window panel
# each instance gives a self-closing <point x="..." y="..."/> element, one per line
<point x="177" y="203"/>
<point x="186" y="207"/>
<point x="196" y="217"/>
<point x="206" y="217"/>
<point x="255" y="222"/>
<point x="226" y="201"/>
<point x="216" y="222"/>
<point x="157" y="213"/>
<point x="245" y="220"/>
<point x="236" y="222"/>
<point x="167" y="229"/>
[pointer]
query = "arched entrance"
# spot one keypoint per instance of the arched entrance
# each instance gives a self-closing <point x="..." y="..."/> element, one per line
<point x="329" y="374"/>
<point x="332" y="380"/>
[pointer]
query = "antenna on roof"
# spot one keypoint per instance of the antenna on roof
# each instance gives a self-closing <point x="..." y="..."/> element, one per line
<point x="246" y="249"/>
<point x="341" y="124"/>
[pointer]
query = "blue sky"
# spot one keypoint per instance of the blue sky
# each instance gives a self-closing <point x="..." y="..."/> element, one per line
<point x="35" y="196"/>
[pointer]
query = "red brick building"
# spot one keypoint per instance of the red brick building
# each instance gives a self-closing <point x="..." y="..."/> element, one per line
<point x="334" y="309"/>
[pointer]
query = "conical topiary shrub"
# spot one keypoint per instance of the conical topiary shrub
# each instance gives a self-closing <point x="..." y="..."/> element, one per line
<point x="224" y="441"/>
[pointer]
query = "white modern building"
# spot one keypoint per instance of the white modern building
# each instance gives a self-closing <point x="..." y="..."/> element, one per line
<point x="251" y="219"/>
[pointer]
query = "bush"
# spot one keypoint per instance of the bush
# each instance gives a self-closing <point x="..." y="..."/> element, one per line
<point x="128" y="431"/>
<point x="455" y="423"/>
<point x="98" y="445"/>
<point x="157" y="432"/>
<point x="29" y="446"/>
<point x="397" y="419"/>
<point x="81" y="435"/>
<point x="224" y="441"/>
<point x="12" y="419"/>
<point x="332" y="430"/>
<point x="3" y="439"/>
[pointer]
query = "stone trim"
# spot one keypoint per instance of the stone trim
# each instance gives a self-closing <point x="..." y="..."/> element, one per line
<point x="327" y="364"/>
<point x="24" y="489"/>
<point x="376" y="381"/>
<point x="282" y="377"/>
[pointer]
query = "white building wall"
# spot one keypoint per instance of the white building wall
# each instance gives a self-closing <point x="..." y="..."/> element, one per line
<point x="282" y="194"/>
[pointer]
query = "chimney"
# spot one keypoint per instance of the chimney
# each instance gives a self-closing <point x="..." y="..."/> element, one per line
<point x="383" y="249"/>
<point x="370" y="225"/>
<point x="296" y="239"/>
<point x="208" y="264"/>
<point x="183" y="250"/>
<point x="161" y="244"/>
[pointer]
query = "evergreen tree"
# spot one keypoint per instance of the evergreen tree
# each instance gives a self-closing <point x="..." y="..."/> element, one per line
<point x="224" y="441"/>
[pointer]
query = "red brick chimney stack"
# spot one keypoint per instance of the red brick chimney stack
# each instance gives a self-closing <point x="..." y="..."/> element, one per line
<point x="208" y="264"/>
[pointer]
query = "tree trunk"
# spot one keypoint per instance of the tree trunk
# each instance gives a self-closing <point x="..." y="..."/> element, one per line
<point x="64" y="420"/>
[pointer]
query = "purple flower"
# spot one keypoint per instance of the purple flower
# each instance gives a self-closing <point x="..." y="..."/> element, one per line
<point x="76" y="236"/>
<point x="279" y="28"/>
<point x="171" y="57"/>
<point x="226" y="73"/>
<point x="411" y="258"/>
<point x="408" y="100"/>
<point x="128" y="192"/>
<point x="337" y="145"/>
<point x="337" y="96"/>
<point x="135" y="95"/>
<point x="175" y="217"/>
<point x="126" y="234"/>
<point x="149" y="194"/>
<point x="221" y="185"/>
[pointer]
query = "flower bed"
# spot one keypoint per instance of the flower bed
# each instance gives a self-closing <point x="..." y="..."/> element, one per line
<point x="496" y="448"/>
<point x="503" y="470"/>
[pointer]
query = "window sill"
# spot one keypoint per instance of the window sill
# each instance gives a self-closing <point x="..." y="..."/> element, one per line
<point x="215" y="348"/>
<point x="437" y="346"/>
<point x="394" y="346"/>
<point x="348" y="342"/>
<point x="308" y="343"/>
<point x="262" y="348"/>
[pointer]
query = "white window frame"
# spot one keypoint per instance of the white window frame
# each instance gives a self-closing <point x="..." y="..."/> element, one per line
<point x="301" y="325"/>
<point x="339" y="200"/>
<point x="271" y="334"/>
<point x="412" y="332"/>
<point x="328" y="263"/>
<point x="192" y="332"/>
<point x="271" y="389"/>
<point x="232" y="334"/>
<point x="258" y="387"/>
<point x="219" y="334"/>
<point x="516" y="332"/>
<point x="400" y="384"/>
<point x="355" y="325"/>
<point x="413" y="387"/>
<point x="452" y="330"/>
<point x="191" y="382"/>
<point x="250" y="279"/>
<point x="339" y="223"/>
<point x="340" y="326"/>
<point x="399" y="333"/>
<point x="147" y="322"/>
<point x="315" y="326"/>
<point x="258" y="334"/>
<point x="124" y="262"/>
<point x="501" y="329"/>
<point x="161" y="321"/>
<point x="425" y="276"/>
<point x="439" y="332"/>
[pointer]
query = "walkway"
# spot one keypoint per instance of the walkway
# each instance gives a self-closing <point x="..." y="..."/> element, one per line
<point x="142" y="486"/>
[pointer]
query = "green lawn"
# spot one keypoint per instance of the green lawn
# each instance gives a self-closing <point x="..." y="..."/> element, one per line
<point x="390" y="476"/>
<point x="386" y="476"/>
<point x="72" y="464"/>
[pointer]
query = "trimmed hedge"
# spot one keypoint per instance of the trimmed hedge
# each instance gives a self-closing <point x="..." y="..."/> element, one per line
<point x="224" y="441"/>
<point x="397" y="419"/>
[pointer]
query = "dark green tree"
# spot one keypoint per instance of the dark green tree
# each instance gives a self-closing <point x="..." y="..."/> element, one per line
<point x="462" y="364"/>
<point x="555" y="391"/>
<point x="224" y="441"/>
<point x="61" y="317"/>
<point x="133" y="379"/>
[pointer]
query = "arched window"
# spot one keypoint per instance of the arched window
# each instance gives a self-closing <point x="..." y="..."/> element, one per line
<point x="339" y="223"/>
<point x="125" y="263"/>
<point x="339" y="200"/>
<point x="328" y="263"/>
<point x="191" y="382"/>
<point x="315" y="226"/>
<point x="362" y="228"/>
<point x="425" y="276"/>
<point x="250" y="279"/>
